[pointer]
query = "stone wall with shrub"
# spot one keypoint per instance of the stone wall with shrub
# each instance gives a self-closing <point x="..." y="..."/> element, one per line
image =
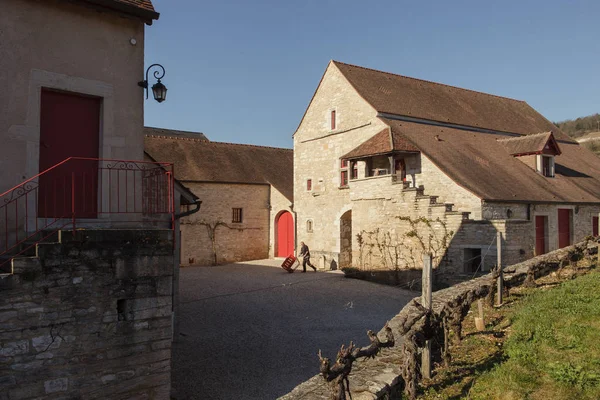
<point x="386" y="375"/>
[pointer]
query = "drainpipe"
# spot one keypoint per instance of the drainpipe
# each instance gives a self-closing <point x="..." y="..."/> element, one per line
<point x="197" y="203"/>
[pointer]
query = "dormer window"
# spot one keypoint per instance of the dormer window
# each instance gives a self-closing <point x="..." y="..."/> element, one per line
<point x="537" y="151"/>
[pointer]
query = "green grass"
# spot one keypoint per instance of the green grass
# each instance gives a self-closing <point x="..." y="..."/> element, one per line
<point x="553" y="348"/>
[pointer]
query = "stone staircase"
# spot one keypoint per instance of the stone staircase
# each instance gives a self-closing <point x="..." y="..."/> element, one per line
<point x="428" y="205"/>
<point x="28" y="252"/>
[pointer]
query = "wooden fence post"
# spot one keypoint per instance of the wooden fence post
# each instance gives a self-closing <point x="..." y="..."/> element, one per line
<point x="427" y="288"/>
<point x="500" y="287"/>
<point x="479" y="323"/>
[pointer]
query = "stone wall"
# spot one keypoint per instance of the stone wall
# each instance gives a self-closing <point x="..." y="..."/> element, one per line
<point x="581" y="222"/>
<point x="248" y="240"/>
<point x="317" y="150"/>
<point x="381" y="376"/>
<point x="90" y="318"/>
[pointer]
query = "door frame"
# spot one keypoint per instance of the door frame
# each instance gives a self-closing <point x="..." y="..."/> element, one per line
<point x="30" y="132"/>
<point x="276" y="233"/>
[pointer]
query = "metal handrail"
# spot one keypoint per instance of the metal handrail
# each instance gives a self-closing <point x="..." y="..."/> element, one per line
<point x="95" y="187"/>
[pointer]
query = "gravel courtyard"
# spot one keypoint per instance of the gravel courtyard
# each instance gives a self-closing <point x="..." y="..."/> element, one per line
<point x="252" y="331"/>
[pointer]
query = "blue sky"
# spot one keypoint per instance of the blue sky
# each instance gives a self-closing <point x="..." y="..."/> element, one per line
<point x="245" y="71"/>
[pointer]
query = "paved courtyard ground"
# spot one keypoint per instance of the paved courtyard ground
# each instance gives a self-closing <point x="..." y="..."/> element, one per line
<point x="252" y="331"/>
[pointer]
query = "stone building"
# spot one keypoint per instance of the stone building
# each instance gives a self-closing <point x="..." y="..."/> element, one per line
<point x="86" y="227"/>
<point x="246" y="193"/>
<point x="387" y="167"/>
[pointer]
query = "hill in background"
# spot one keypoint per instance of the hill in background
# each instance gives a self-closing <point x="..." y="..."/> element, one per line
<point x="586" y="130"/>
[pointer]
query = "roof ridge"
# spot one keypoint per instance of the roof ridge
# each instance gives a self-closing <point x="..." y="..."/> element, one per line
<point x="427" y="81"/>
<point x="173" y="130"/>
<point x="178" y="138"/>
<point x="214" y="142"/>
<point x="252" y="145"/>
<point x="526" y="136"/>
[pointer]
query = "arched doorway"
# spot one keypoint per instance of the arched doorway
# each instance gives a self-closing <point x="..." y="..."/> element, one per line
<point x="345" y="259"/>
<point x="284" y="228"/>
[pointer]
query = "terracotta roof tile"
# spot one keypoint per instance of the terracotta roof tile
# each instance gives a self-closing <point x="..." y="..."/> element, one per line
<point x="415" y="98"/>
<point x="198" y="160"/>
<point x="479" y="163"/>
<point x="144" y="4"/>
<point x="530" y="144"/>
<point x="381" y="143"/>
<point x="142" y="9"/>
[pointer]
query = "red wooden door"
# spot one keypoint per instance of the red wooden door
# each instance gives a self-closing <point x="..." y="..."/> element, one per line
<point x="69" y="127"/>
<point x="595" y="226"/>
<point x="540" y="235"/>
<point x="285" y="235"/>
<point x="564" y="227"/>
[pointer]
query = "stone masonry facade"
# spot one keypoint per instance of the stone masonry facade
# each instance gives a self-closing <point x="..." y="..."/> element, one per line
<point x="89" y="317"/>
<point x="252" y="239"/>
<point x="371" y="205"/>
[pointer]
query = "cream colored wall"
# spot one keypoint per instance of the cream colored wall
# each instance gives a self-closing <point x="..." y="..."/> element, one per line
<point x="581" y="223"/>
<point x="244" y="241"/>
<point x="66" y="46"/>
<point x="279" y="203"/>
<point x="437" y="183"/>
<point x="317" y="150"/>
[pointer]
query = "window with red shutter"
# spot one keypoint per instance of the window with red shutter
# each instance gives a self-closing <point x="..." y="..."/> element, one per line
<point x="309" y="185"/>
<point x="344" y="178"/>
<point x="333" y="121"/>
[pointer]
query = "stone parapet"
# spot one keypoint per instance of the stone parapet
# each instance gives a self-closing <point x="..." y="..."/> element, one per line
<point x="380" y="377"/>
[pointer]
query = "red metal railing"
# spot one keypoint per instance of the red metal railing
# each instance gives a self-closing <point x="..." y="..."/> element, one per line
<point x="85" y="191"/>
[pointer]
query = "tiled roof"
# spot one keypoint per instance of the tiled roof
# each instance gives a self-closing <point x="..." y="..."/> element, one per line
<point x="383" y="142"/>
<point x="479" y="163"/>
<point x="144" y="4"/>
<point x="531" y="144"/>
<point x="199" y="160"/>
<point x="415" y="98"/>
<point x="148" y="130"/>
<point x="142" y="9"/>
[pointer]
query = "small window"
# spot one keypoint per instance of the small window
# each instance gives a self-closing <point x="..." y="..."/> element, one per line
<point x="344" y="178"/>
<point x="309" y="225"/>
<point x="354" y="171"/>
<point x="546" y="166"/>
<point x="237" y="215"/>
<point x="309" y="185"/>
<point x="333" y="121"/>
<point x="343" y="173"/>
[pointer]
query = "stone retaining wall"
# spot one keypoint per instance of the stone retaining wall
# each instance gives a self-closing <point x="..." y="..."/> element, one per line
<point x="90" y="318"/>
<point x="381" y="376"/>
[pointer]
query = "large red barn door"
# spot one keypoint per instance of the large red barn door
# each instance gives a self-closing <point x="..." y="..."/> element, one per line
<point x="285" y="235"/>
<point x="69" y="127"/>
<point x="564" y="227"/>
<point x="540" y="235"/>
<point x="595" y="226"/>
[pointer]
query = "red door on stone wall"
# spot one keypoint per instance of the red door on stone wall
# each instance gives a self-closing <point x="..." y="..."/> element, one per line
<point x="540" y="235"/>
<point x="595" y="226"/>
<point x="564" y="227"/>
<point x="69" y="127"/>
<point x="285" y="235"/>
